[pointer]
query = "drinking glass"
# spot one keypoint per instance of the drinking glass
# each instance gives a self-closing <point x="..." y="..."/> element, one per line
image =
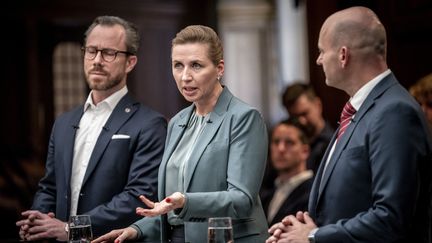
<point x="80" y="229"/>
<point x="220" y="230"/>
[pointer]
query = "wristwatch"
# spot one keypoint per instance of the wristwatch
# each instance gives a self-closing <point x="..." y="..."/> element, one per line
<point x="311" y="236"/>
<point x="66" y="228"/>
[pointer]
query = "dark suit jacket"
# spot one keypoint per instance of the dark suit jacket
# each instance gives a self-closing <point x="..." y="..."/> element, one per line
<point x="118" y="172"/>
<point x="318" y="147"/>
<point x="296" y="201"/>
<point x="377" y="185"/>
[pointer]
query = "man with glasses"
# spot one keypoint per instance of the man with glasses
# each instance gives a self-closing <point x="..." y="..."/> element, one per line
<point x="104" y="154"/>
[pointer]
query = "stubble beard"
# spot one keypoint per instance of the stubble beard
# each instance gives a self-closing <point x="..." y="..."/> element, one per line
<point x="104" y="85"/>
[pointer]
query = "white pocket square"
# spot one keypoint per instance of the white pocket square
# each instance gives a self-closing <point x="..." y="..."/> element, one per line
<point x="120" y="136"/>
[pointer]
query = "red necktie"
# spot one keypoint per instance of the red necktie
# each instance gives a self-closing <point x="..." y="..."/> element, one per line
<point x="347" y="112"/>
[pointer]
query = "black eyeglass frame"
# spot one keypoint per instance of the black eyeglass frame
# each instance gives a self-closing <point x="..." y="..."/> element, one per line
<point x="104" y="52"/>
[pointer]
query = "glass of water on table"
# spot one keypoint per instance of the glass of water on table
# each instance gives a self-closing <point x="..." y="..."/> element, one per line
<point x="80" y="229"/>
<point x="220" y="230"/>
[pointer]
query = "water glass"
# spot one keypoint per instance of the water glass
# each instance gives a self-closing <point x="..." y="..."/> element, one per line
<point x="80" y="229"/>
<point x="220" y="230"/>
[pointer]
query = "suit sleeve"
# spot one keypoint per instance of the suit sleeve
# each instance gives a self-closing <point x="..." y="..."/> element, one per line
<point x="45" y="198"/>
<point x="395" y="144"/>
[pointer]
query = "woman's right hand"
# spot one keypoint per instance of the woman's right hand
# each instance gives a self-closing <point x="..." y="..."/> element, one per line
<point x="118" y="236"/>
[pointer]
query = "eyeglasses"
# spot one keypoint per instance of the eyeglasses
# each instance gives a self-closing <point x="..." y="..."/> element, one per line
<point x="108" y="55"/>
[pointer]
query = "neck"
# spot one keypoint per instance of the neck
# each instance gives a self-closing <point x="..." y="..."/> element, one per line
<point x="290" y="173"/>
<point x="100" y="95"/>
<point x="207" y="106"/>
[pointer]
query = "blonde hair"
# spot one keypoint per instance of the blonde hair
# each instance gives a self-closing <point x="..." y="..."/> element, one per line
<point x="204" y="35"/>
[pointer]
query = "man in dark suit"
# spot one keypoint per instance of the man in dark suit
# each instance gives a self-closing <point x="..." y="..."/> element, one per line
<point x="289" y="151"/>
<point x="374" y="183"/>
<point x="104" y="154"/>
<point x="301" y="101"/>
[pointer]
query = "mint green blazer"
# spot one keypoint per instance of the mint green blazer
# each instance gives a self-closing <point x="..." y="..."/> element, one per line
<point x="224" y="173"/>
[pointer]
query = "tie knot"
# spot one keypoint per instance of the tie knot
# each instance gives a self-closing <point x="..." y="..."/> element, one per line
<point x="348" y="111"/>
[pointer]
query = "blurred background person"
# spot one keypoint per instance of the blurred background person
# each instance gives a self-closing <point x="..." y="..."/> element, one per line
<point x="215" y="154"/>
<point x="422" y="92"/>
<point x="301" y="101"/>
<point x="289" y="150"/>
<point x="104" y="154"/>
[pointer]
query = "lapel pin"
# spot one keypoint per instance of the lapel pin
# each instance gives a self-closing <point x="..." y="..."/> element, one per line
<point x="127" y="110"/>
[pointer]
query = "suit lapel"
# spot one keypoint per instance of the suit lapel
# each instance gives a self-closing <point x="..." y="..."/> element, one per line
<point x="121" y="113"/>
<point x="69" y="142"/>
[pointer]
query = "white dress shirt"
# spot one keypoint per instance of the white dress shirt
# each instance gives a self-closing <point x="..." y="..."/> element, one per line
<point x="90" y="126"/>
<point x="283" y="190"/>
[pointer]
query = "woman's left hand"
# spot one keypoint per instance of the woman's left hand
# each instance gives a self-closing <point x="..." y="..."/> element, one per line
<point x="176" y="200"/>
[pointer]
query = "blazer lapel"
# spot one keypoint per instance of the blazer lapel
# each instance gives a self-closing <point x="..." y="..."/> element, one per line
<point x="175" y="133"/>
<point x="210" y="129"/>
<point x="121" y="113"/>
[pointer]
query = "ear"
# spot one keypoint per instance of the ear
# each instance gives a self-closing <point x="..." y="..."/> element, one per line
<point x="318" y="103"/>
<point x="305" y="151"/>
<point x="344" y="56"/>
<point x="130" y="63"/>
<point x="221" y="68"/>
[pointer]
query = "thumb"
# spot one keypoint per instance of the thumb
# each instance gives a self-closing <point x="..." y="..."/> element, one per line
<point x="308" y="219"/>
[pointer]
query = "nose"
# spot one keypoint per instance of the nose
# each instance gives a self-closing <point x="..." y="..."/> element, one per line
<point x="318" y="60"/>
<point x="302" y="120"/>
<point x="98" y="58"/>
<point x="281" y="146"/>
<point x="185" y="74"/>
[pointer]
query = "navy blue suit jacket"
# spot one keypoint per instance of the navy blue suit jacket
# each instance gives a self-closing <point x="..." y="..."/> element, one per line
<point x="377" y="185"/>
<point x="296" y="201"/>
<point x="118" y="172"/>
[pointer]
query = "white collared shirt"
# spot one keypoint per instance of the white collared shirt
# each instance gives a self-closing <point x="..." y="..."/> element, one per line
<point x="283" y="190"/>
<point x="90" y="126"/>
<point x="356" y="101"/>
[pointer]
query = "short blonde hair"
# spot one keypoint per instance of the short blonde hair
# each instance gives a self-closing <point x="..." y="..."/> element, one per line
<point x="204" y="35"/>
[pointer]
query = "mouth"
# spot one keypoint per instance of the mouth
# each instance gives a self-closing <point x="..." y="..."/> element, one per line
<point x="189" y="91"/>
<point x="97" y="73"/>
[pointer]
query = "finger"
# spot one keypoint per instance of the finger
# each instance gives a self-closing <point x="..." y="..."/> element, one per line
<point x="35" y="215"/>
<point x="147" y="202"/>
<point x="308" y="219"/>
<point x="21" y="222"/>
<point x="51" y="215"/>
<point x="121" y="238"/>
<point x="28" y="212"/>
<point x="299" y="216"/>
<point x="277" y="233"/>
<point x="38" y="236"/>
<point x="108" y="237"/>
<point x="274" y="227"/>
<point x="271" y="239"/>
<point x="290" y="220"/>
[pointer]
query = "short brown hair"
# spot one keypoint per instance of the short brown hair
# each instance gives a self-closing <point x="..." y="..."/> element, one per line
<point x="293" y="92"/>
<point x="132" y="35"/>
